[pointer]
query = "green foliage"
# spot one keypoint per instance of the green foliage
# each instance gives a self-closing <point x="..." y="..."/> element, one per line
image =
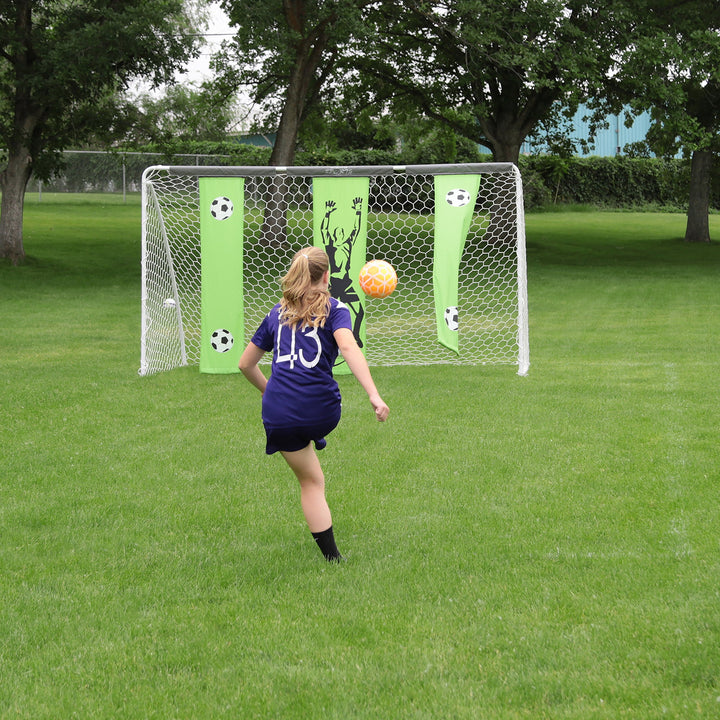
<point x="610" y="182"/>
<point x="182" y="114"/>
<point x="436" y="145"/>
<point x="62" y="63"/>
<point x="487" y="71"/>
<point x="622" y="182"/>
<point x="346" y="126"/>
<point x="536" y="193"/>
<point x="282" y="53"/>
<point x="345" y="157"/>
<point x="270" y="36"/>
<point x="490" y="71"/>
<point x="539" y="547"/>
<point x="672" y="70"/>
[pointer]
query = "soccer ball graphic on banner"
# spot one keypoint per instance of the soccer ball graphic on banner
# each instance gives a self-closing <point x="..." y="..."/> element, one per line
<point x="457" y="197"/>
<point x="222" y="340"/>
<point x="451" y="317"/>
<point x="221" y="208"/>
<point x="378" y="279"/>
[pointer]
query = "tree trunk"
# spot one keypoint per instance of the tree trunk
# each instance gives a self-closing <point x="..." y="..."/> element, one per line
<point x="502" y="223"/>
<point x="308" y="55"/>
<point x="13" y="182"/>
<point x="506" y="151"/>
<point x="274" y="229"/>
<point x="283" y="152"/>
<point x="698" y="227"/>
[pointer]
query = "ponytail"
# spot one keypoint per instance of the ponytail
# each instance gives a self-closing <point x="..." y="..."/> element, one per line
<point x="303" y="301"/>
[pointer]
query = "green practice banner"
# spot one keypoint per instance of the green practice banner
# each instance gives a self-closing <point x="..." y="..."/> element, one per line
<point x="221" y="262"/>
<point x="455" y="197"/>
<point x="340" y="228"/>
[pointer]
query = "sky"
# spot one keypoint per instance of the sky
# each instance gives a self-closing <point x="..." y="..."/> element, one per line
<point x="199" y="69"/>
<point x="218" y="30"/>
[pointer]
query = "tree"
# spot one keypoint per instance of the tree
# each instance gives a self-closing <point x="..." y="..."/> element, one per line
<point x="672" y="70"/>
<point x="284" y="51"/>
<point x="491" y="69"/>
<point x="183" y="113"/>
<point x="61" y="64"/>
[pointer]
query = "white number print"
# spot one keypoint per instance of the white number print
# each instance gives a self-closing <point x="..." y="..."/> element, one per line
<point x="293" y="355"/>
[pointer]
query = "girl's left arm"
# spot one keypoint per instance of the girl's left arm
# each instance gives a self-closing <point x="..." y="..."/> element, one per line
<point x="249" y="366"/>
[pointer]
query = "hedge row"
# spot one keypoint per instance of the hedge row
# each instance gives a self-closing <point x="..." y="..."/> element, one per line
<point x="610" y="182"/>
<point x="620" y="182"/>
<point x="547" y="180"/>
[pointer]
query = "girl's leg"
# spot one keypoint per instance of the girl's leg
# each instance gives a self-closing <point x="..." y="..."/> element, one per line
<point x="306" y="466"/>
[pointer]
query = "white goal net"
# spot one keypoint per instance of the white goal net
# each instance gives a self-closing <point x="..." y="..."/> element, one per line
<point x="403" y="226"/>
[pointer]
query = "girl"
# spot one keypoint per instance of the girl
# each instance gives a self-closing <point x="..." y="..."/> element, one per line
<point x="301" y="400"/>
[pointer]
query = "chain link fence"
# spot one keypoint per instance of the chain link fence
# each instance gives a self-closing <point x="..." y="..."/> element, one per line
<point x="95" y="171"/>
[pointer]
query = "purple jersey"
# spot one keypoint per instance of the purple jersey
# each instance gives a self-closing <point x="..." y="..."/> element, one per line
<point x="301" y="389"/>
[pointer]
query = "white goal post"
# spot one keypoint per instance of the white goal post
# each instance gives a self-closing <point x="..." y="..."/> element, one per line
<point x="404" y="222"/>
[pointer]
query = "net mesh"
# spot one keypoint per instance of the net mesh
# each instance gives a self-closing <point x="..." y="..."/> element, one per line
<point x="400" y="329"/>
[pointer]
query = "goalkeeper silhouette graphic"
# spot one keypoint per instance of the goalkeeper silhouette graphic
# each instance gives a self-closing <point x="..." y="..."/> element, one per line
<point x="339" y="249"/>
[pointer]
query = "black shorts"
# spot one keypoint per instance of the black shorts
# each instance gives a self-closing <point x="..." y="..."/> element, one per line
<point x="292" y="439"/>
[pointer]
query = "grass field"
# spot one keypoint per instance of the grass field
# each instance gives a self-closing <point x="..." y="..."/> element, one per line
<point x="539" y="547"/>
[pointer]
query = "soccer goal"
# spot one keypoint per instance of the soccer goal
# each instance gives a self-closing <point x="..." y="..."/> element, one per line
<point x="217" y="240"/>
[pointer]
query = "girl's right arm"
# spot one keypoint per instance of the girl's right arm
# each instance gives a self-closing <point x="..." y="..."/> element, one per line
<point x="249" y="366"/>
<point x="356" y="362"/>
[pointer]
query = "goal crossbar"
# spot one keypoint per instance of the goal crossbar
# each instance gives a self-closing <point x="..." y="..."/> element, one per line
<point x="335" y="171"/>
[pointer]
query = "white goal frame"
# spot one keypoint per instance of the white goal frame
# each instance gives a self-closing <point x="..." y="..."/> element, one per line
<point x="401" y="329"/>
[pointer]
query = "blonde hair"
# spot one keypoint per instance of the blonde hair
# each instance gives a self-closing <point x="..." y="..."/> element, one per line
<point x="303" y="301"/>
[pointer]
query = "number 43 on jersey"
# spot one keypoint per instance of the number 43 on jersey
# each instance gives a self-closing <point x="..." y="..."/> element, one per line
<point x="294" y="354"/>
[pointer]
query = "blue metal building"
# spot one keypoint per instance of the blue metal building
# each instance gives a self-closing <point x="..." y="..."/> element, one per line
<point x="608" y="142"/>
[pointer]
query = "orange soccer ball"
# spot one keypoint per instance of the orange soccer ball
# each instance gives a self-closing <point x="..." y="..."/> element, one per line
<point x="378" y="279"/>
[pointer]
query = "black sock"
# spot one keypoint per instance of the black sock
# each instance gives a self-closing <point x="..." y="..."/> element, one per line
<point x="326" y="543"/>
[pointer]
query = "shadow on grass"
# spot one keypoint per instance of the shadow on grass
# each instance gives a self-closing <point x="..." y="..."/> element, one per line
<point x="617" y="240"/>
